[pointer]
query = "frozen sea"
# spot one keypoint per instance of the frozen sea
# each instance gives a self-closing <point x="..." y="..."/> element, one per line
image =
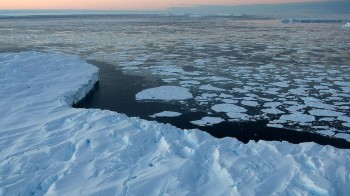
<point x="292" y="76"/>
<point x="213" y="71"/>
<point x="229" y="69"/>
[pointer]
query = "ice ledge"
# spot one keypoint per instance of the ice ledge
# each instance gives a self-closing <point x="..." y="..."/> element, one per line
<point x="82" y="91"/>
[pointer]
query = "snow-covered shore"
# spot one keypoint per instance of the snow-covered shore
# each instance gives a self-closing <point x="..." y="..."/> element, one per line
<point x="48" y="147"/>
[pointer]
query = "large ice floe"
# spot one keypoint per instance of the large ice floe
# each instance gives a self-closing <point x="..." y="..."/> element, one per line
<point x="48" y="147"/>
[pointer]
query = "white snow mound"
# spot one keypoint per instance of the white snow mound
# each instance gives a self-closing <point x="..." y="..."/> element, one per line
<point x="47" y="147"/>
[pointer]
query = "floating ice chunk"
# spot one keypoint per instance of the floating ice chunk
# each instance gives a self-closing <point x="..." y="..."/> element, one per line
<point x="228" y="108"/>
<point x="273" y="91"/>
<point x="232" y="111"/>
<point x="250" y="103"/>
<point x="223" y="95"/>
<point x="218" y="78"/>
<point x="200" y="62"/>
<point x="294" y="108"/>
<point x="190" y="82"/>
<point x="239" y="90"/>
<point x="327" y="119"/>
<point x="298" y="117"/>
<point x="272" y="111"/>
<point x="206" y="96"/>
<point x="344" y="118"/>
<point x="166" y="114"/>
<point x="342" y="83"/>
<point x="272" y="104"/>
<point x="208" y="121"/>
<point x="316" y="103"/>
<point x="319" y="112"/>
<point x="237" y="116"/>
<point x="274" y="125"/>
<point x="229" y="101"/>
<point x="169" y="80"/>
<point x="166" y="93"/>
<point x="298" y="91"/>
<point x="209" y="87"/>
<point x="281" y="84"/>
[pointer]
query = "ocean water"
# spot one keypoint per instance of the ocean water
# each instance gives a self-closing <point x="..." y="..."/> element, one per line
<point x="279" y="76"/>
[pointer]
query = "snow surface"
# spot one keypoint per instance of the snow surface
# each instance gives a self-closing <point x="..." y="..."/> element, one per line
<point x="48" y="147"/>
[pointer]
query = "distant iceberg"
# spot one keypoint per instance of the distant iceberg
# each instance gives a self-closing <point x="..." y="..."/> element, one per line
<point x="347" y="25"/>
<point x="310" y="20"/>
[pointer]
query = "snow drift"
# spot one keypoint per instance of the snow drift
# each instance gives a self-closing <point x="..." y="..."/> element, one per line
<point x="47" y="147"/>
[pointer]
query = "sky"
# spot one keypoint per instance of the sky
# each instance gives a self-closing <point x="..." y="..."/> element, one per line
<point x="128" y="4"/>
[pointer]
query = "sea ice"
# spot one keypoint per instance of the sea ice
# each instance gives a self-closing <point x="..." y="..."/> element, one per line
<point x="209" y="87"/>
<point x="228" y="108"/>
<point x="165" y="93"/>
<point x="320" y="112"/>
<point x="272" y="111"/>
<point x="205" y="121"/>
<point x="250" y="103"/>
<point x="49" y="148"/>
<point x="298" y="117"/>
<point x="166" y="114"/>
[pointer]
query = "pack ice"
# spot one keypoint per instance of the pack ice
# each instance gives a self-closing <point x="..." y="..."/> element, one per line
<point x="49" y="148"/>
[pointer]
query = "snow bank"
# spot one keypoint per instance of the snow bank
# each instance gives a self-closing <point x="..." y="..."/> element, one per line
<point x="47" y="147"/>
<point x="165" y="93"/>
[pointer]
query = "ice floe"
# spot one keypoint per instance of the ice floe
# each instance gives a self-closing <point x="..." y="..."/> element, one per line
<point x="298" y="117"/>
<point x="166" y="93"/>
<point x="205" y="121"/>
<point x="166" y="114"/>
<point x="319" y="112"/>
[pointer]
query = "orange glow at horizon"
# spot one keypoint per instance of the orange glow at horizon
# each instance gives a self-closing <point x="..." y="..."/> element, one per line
<point x="127" y="4"/>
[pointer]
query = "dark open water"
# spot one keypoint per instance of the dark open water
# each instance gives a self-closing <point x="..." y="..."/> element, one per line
<point x="116" y="91"/>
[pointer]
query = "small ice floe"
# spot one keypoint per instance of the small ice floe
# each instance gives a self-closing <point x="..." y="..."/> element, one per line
<point x="250" y="103"/>
<point x="272" y="111"/>
<point x="274" y="125"/>
<point x="205" y="121"/>
<point x="166" y="114"/>
<point x="228" y="108"/>
<point x="232" y="111"/>
<point x="166" y="93"/>
<point x="281" y="84"/>
<point x="298" y="117"/>
<point x="272" y="104"/>
<point x="320" y="112"/>
<point x="209" y="87"/>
